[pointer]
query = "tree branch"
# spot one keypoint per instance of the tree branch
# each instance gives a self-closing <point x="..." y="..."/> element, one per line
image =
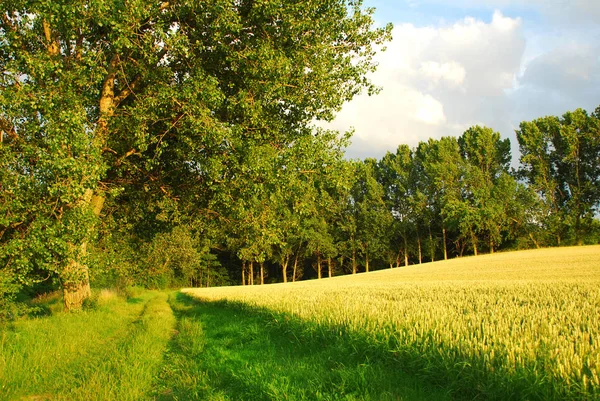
<point x="52" y="44"/>
<point x="6" y="126"/>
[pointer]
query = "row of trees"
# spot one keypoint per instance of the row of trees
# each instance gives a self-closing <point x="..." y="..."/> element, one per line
<point x="305" y="211"/>
<point x="443" y="199"/>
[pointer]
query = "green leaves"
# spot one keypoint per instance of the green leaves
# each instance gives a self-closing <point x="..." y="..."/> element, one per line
<point x="559" y="158"/>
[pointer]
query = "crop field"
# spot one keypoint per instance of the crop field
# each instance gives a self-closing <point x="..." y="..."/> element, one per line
<point x="514" y="326"/>
<point x="521" y="325"/>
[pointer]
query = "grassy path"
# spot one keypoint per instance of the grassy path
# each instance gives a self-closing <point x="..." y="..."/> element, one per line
<point x="170" y="347"/>
<point x="112" y="353"/>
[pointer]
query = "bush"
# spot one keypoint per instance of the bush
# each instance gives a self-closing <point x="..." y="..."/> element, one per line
<point x="10" y="306"/>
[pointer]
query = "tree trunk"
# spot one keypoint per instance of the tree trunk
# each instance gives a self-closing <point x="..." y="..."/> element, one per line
<point x="284" y="267"/>
<point x="353" y="261"/>
<point x="244" y="273"/>
<point x="262" y="273"/>
<point x="491" y="245"/>
<point x="329" y="267"/>
<point x="474" y="242"/>
<point x="367" y="262"/>
<point x="295" y="266"/>
<point x="420" y="250"/>
<point x="251" y="278"/>
<point x="76" y="284"/>
<point x="75" y="278"/>
<point x="431" y="245"/>
<point x="534" y="241"/>
<point x="578" y="238"/>
<point x="445" y="247"/>
<point x="405" y="251"/>
<point x="319" y="265"/>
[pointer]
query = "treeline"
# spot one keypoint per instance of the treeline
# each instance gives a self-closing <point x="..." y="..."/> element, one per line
<point x="304" y="211"/>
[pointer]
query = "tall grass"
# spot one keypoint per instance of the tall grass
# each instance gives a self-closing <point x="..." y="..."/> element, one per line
<point x="507" y="326"/>
<point x="112" y="352"/>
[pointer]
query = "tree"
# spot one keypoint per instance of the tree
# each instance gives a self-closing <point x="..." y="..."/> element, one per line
<point x="447" y="167"/>
<point x="114" y="97"/>
<point x="394" y="173"/>
<point x="428" y="194"/>
<point x="559" y="160"/>
<point x="487" y="159"/>
<point x="374" y="219"/>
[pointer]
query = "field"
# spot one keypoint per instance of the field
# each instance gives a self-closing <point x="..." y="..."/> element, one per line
<point x="518" y="326"/>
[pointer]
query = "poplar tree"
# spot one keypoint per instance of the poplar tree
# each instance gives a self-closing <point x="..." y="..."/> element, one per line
<point x="560" y="162"/>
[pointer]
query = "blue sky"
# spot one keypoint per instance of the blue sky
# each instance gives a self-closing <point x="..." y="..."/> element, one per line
<point x="454" y="64"/>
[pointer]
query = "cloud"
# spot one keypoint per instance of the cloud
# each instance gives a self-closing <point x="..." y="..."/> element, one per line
<point x="452" y="72"/>
<point x="562" y="79"/>
<point x="436" y="81"/>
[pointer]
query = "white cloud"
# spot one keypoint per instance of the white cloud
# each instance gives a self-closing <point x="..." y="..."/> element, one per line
<point x="436" y="81"/>
<point x="452" y="72"/>
<point x="428" y="110"/>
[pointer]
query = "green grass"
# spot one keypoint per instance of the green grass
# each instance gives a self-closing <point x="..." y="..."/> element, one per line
<point x="111" y="353"/>
<point x="171" y="347"/>
<point x="226" y="351"/>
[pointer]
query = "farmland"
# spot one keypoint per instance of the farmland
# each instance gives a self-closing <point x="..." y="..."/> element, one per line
<point x="521" y="325"/>
<point x="515" y="325"/>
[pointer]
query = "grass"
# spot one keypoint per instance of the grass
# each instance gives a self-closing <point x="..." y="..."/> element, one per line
<point x="148" y="348"/>
<point x="519" y="325"/>
<point x="110" y="353"/>
<point x="227" y="351"/>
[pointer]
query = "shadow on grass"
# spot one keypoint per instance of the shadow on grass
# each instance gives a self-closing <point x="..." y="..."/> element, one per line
<point x="134" y="300"/>
<point x="228" y="351"/>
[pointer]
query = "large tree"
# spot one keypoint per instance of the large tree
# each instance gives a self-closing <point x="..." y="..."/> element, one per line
<point x="560" y="161"/>
<point x="481" y="210"/>
<point x="110" y="97"/>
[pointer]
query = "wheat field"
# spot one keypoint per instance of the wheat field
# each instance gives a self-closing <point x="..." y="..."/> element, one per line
<point x="510" y="325"/>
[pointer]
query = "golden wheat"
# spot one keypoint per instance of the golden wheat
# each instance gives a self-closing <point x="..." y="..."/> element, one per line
<point x="531" y="315"/>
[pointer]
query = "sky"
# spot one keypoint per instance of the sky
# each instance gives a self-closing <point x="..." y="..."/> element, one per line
<point x="455" y="64"/>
